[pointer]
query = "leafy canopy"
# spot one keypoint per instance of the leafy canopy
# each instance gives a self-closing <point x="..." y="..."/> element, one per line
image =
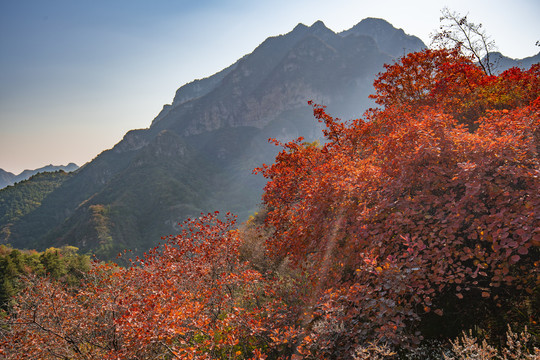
<point x="427" y="206"/>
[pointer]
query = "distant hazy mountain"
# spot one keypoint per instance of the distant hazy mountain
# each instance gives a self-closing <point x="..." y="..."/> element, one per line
<point x="199" y="152"/>
<point x="501" y="63"/>
<point x="7" y="178"/>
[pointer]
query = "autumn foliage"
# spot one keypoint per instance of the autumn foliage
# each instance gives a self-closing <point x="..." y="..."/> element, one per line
<point x="180" y="300"/>
<point x="427" y="206"/>
<point x="418" y="221"/>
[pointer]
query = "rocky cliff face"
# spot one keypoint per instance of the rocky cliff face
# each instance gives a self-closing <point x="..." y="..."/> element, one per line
<point x="283" y="73"/>
<point x="132" y="141"/>
<point x="199" y="152"/>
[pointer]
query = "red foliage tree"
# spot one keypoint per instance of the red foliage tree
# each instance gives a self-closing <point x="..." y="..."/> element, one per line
<point x="430" y="201"/>
<point x="191" y="298"/>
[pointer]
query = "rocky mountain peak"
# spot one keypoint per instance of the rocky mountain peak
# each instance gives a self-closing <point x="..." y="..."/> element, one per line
<point x="299" y="28"/>
<point x="373" y="25"/>
<point x="318" y="25"/>
<point x="321" y="31"/>
<point x="394" y="42"/>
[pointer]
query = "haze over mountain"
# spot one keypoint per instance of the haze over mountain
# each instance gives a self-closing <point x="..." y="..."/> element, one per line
<point x="199" y="152"/>
<point x="8" y="178"/>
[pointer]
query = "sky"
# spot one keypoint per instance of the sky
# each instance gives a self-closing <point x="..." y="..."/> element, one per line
<point x="76" y="75"/>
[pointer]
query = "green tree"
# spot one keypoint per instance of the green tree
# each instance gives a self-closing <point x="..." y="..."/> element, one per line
<point x="8" y="274"/>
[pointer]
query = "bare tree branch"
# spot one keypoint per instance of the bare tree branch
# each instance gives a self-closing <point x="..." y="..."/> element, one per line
<point x="458" y="31"/>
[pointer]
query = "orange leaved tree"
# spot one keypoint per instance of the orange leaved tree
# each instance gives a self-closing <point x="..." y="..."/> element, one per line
<point x="422" y="219"/>
<point x="190" y="298"/>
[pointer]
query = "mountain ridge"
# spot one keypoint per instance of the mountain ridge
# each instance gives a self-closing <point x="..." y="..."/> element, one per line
<point x="501" y="63"/>
<point x="7" y="178"/>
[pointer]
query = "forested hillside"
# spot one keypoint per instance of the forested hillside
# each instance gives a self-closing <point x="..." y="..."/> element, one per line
<point x="401" y="230"/>
<point x="28" y="195"/>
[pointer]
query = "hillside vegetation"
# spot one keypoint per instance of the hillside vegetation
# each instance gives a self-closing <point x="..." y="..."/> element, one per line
<point x="28" y="195"/>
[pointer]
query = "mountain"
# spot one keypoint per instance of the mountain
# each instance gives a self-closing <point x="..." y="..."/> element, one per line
<point x="394" y="42"/>
<point x="199" y="152"/>
<point x="502" y="63"/>
<point x="7" y="178"/>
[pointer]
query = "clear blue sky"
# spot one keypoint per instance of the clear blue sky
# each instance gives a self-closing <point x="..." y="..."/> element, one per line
<point x="75" y="75"/>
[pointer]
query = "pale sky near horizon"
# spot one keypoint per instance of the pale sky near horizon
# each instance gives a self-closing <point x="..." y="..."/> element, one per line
<point x="76" y="75"/>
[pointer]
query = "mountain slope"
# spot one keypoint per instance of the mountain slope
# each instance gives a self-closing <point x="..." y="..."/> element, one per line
<point x="199" y="152"/>
<point x="27" y="196"/>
